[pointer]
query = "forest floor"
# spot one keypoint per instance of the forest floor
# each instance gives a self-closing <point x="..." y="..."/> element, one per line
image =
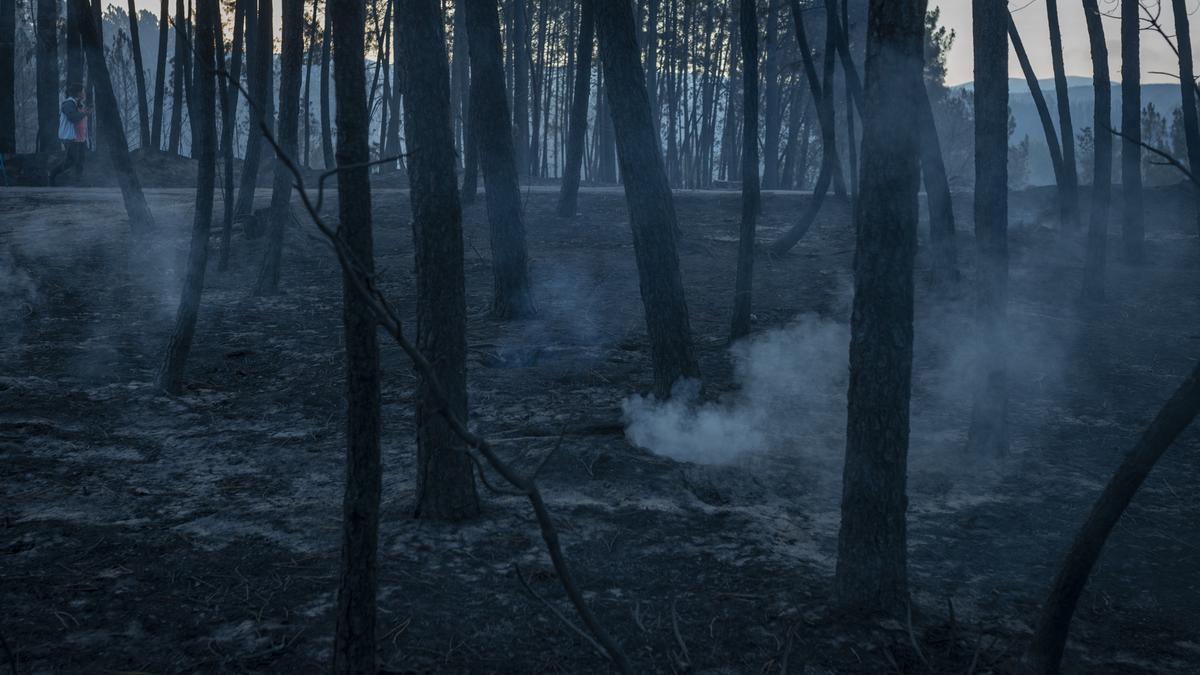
<point x="200" y="533"/>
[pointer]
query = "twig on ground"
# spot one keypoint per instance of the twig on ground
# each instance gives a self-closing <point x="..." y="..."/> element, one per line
<point x="912" y="639"/>
<point x="559" y="615"/>
<point x="687" y="658"/>
<point x="362" y="282"/>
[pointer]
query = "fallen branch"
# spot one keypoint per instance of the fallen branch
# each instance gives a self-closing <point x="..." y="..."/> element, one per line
<point x="363" y="283"/>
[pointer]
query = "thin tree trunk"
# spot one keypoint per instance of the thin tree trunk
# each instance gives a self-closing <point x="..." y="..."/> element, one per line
<point x="445" y="483"/>
<point x="160" y="78"/>
<point x="850" y="73"/>
<point x="460" y="83"/>
<point x="135" y="44"/>
<point x="652" y="61"/>
<point x="170" y="377"/>
<point x="470" y="179"/>
<point x="511" y="294"/>
<point x="743" y="287"/>
<point x="261" y="81"/>
<point x="772" y="119"/>
<point x="176" y="129"/>
<point x="1097" y="240"/>
<point x="520" y="59"/>
<point x="942" y="231"/>
<point x="871" y="574"/>
<point x="823" y="98"/>
<point x="291" y="60"/>
<point x="326" y="76"/>
<point x="74" y="46"/>
<point x="568" y="198"/>
<point x="8" y="76"/>
<point x="354" y="646"/>
<point x="1133" y="228"/>
<point x="1070" y="184"/>
<point x="47" y="75"/>
<point x="648" y="194"/>
<point x="1187" y="87"/>
<point x="988" y="433"/>
<point x="111" y="129"/>
<point x="1054" y="622"/>
<point x="228" y="121"/>
<point x="1039" y="101"/>
<point x="306" y="101"/>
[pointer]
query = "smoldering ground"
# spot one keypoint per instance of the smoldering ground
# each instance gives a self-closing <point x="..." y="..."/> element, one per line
<point x="146" y="532"/>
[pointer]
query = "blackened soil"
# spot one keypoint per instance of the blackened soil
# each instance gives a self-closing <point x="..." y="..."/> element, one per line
<point x="200" y="533"/>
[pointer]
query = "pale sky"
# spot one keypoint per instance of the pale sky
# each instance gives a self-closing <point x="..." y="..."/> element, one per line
<point x="1030" y="16"/>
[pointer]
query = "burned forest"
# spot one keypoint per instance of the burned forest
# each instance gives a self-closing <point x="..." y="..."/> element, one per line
<point x="599" y="336"/>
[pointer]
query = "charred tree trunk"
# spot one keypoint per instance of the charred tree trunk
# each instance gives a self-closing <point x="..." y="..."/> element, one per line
<point x="1039" y="101"/>
<point x="942" y="230"/>
<point x="170" y="377"/>
<point x="111" y="130"/>
<point x="470" y="179"/>
<point x="520" y="59"/>
<point x="1132" y="227"/>
<point x="8" y="76"/>
<point x="291" y="58"/>
<point x="823" y="98"/>
<point x="988" y="434"/>
<point x="1187" y="86"/>
<point x="871" y="573"/>
<point x="568" y="198"/>
<point x="140" y="78"/>
<point x="743" y="288"/>
<point x="306" y="97"/>
<point x="176" y="129"/>
<point x="326" y="76"/>
<point x="772" y="119"/>
<point x="261" y="86"/>
<point x="354" y="646"/>
<point x="228" y="120"/>
<point x="1050" y="637"/>
<point x="1097" y="240"/>
<point x="445" y="483"/>
<point x="1070" y="184"/>
<point x="47" y="75"/>
<point x="648" y="194"/>
<point x="510" y="273"/>
<point x="74" y="46"/>
<point x="160" y="78"/>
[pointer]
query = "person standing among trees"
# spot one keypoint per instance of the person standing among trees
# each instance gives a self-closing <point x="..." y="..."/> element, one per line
<point x="72" y="131"/>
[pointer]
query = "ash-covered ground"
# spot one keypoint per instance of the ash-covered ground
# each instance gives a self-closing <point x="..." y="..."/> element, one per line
<point x="200" y="533"/>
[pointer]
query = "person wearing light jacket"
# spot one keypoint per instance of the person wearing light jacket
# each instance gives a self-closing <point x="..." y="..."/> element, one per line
<point x="72" y="131"/>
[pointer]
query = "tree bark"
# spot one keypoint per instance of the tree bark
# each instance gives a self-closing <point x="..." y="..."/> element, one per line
<point x="1097" y="240"/>
<point x="743" y="287"/>
<point x="942" y="230"/>
<point x="260" y="78"/>
<point x="286" y="135"/>
<point x="772" y="119"/>
<point x="520" y="58"/>
<point x="8" y="73"/>
<point x="306" y="97"/>
<point x="326" y="76"/>
<point x="48" y="89"/>
<point x="135" y="44"/>
<point x="160" y="77"/>
<point x="1187" y="79"/>
<point x="1050" y="637"/>
<point x="354" y="646"/>
<point x="170" y="376"/>
<point x="988" y="433"/>
<point x="871" y="574"/>
<point x="510" y="274"/>
<point x="228" y="120"/>
<point x="823" y="98"/>
<point x="445" y="483"/>
<point x="74" y="46"/>
<point x="1132" y="226"/>
<point x="1070" y="184"/>
<point x="1039" y="102"/>
<point x="111" y="130"/>
<point x="176" y="128"/>
<point x="568" y="197"/>
<point x="648" y="194"/>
